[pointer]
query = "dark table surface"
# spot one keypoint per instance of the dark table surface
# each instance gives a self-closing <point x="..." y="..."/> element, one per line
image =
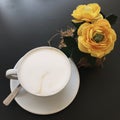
<point x="26" y="24"/>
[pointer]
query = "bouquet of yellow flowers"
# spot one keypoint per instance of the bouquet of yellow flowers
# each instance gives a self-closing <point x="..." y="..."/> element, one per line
<point x="92" y="37"/>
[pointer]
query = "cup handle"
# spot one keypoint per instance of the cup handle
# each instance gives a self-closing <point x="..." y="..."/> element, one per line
<point x="11" y="74"/>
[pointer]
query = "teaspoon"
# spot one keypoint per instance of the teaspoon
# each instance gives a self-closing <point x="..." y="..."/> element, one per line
<point x="12" y="95"/>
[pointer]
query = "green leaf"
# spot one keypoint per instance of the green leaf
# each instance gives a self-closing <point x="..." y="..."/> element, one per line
<point x="71" y="45"/>
<point x="77" y="55"/>
<point x="77" y="25"/>
<point x="67" y="51"/>
<point x="70" y="42"/>
<point x="112" y="19"/>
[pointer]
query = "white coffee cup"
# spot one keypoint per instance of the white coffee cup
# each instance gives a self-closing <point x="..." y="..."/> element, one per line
<point x="43" y="71"/>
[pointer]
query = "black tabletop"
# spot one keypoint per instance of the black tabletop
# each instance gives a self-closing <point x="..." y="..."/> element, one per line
<point x="26" y="24"/>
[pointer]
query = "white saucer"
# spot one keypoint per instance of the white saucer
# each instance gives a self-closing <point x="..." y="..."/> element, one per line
<point x="52" y="104"/>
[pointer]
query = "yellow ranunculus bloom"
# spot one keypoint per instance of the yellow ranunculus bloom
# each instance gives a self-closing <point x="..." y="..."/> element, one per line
<point x="97" y="38"/>
<point x="89" y="13"/>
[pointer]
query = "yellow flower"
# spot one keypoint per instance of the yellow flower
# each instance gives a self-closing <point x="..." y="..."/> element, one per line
<point x="89" y="13"/>
<point x="97" y="38"/>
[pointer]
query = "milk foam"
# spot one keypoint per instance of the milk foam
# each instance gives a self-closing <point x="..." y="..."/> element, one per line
<point x="44" y="71"/>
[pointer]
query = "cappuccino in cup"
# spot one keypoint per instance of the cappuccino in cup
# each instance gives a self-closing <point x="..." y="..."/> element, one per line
<point x="43" y="71"/>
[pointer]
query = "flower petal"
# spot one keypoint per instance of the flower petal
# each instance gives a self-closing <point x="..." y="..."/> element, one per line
<point x="81" y="46"/>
